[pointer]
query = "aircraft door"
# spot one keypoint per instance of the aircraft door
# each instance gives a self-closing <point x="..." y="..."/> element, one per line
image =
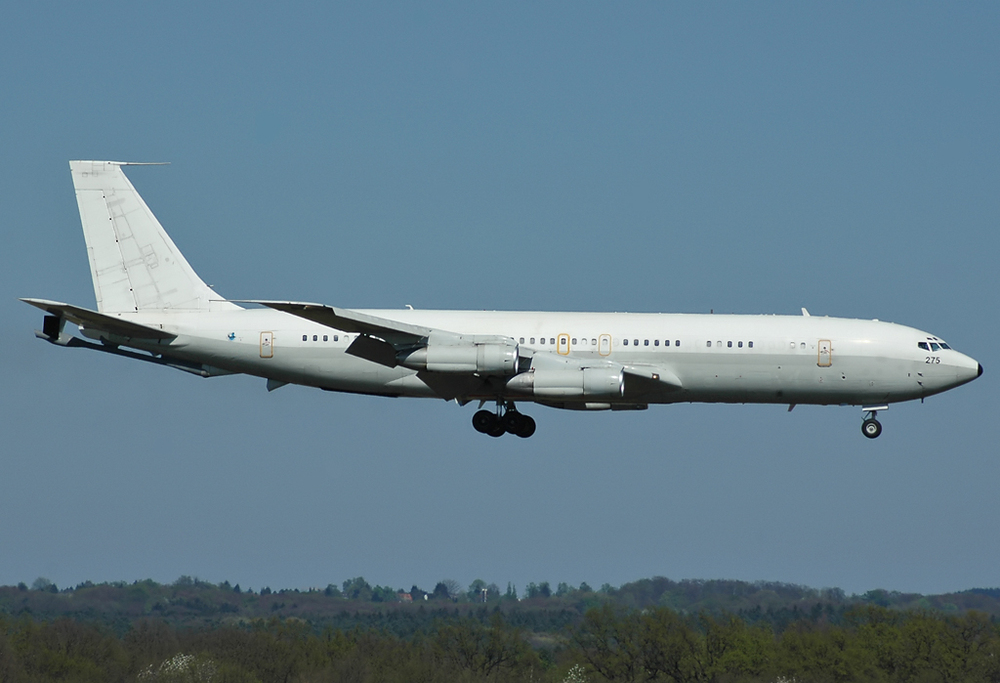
<point x="604" y="345"/>
<point x="267" y="344"/>
<point x="824" y="353"/>
<point x="562" y="344"/>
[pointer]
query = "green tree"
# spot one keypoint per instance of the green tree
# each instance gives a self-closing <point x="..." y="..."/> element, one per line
<point x="43" y="584"/>
<point x="479" y="649"/>
<point x="735" y="649"/>
<point x="610" y="643"/>
<point x="475" y="592"/>
<point x="671" y="649"/>
<point x="357" y="589"/>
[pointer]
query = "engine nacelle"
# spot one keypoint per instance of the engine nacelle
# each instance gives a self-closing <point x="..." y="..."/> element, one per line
<point x="488" y="358"/>
<point x="569" y="382"/>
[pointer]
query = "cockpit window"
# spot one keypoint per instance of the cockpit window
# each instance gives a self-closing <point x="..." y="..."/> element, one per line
<point x="923" y="345"/>
<point x="935" y="347"/>
<point x="945" y="346"/>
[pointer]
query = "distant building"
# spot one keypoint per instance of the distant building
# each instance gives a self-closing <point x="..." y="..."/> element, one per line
<point x="405" y="597"/>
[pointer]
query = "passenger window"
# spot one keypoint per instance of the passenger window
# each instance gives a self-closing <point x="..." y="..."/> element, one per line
<point x="740" y="344"/>
<point x="677" y="342"/>
<point x="532" y="340"/>
<point x="573" y="341"/>
<point x="666" y="342"/>
<point x="718" y="343"/>
<point x="708" y="344"/>
<point x="656" y="342"/>
<point x="552" y="340"/>
<point x="542" y="340"/>
<point x="645" y="342"/>
<point x="625" y="342"/>
<point x="750" y="344"/>
<point x="326" y="338"/>
<point x="635" y="342"/>
<point x="315" y="337"/>
<point x="305" y="337"/>
<point x="802" y="345"/>
<point x="729" y="344"/>
<point x="792" y="344"/>
<point x="522" y="340"/>
<point x="336" y="337"/>
<point x="923" y="345"/>
<point x="593" y="341"/>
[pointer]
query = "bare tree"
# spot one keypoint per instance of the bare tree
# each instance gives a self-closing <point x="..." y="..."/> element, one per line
<point x="453" y="587"/>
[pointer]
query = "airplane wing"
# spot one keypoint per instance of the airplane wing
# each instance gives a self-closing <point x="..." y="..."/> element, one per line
<point x="347" y="320"/>
<point x="379" y="339"/>
<point x="98" y="321"/>
<point x="641" y="378"/>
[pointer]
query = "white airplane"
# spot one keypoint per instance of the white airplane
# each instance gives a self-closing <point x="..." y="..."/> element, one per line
<point x="151" y="306"/>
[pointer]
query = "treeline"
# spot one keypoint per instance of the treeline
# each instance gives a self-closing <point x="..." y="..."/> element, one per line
<point x="538" y="607"/>
<point x="608" y="643"/>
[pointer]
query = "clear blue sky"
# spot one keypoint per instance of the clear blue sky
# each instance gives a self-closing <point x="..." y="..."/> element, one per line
<point x="673" y="157"/>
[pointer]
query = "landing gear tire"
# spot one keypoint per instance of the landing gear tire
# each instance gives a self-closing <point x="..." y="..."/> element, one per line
<point x="518" y="424"/>
<point x="485" y="422"/>
<point x="871" y="428"/>
<point x="513" y="422"/>
<point x="527" y="427"/>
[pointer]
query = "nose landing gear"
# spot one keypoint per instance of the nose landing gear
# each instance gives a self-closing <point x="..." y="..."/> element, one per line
<point x="506" y="420"/>
<point x="872" y="427"/>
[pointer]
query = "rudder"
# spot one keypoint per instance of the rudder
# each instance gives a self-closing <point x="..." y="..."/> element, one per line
<point x="134" y="263"/>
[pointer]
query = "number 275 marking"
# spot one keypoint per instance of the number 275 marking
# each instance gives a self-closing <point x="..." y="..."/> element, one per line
<point x="932" y="360"/>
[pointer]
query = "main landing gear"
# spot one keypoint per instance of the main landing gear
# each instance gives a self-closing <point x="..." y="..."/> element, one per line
<point x="872" y="427"/>
<point x="506" y="420"/>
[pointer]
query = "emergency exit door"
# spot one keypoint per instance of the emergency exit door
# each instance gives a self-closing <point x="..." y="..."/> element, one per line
<point x="266" y="344"/>
<point x="605" y="345"/>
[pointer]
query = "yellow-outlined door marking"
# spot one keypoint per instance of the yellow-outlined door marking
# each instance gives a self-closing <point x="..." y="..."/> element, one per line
<point x="562" y="344"/>
<point x="824" y="353"/>
<point x="604" y="345"/>
<point x="267" y="344"/>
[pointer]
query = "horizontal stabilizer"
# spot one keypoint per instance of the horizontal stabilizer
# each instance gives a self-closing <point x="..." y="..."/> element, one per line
<point x="93" y="320"/>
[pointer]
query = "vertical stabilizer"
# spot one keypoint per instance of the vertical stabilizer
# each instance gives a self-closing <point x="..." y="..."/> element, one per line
<point x="134" y="263"/>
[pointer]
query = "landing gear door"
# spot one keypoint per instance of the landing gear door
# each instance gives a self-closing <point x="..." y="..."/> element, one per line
<point x="267" y="344"/>
<point x="824" y="353"/>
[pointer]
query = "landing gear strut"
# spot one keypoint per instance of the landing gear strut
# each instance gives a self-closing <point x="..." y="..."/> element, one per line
<point x="872" y="427"/>
<point x="506" y="420"/>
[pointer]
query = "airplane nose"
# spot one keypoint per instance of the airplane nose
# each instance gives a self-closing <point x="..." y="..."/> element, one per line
<point x="980" y="370"/>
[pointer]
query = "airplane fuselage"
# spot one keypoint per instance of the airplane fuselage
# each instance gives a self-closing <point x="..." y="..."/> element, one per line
<point x="717" y="358"/>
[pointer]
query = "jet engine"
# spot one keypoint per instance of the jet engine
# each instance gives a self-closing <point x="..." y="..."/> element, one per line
<point x="487" y="358"/>
<point x="569" y="382"/>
